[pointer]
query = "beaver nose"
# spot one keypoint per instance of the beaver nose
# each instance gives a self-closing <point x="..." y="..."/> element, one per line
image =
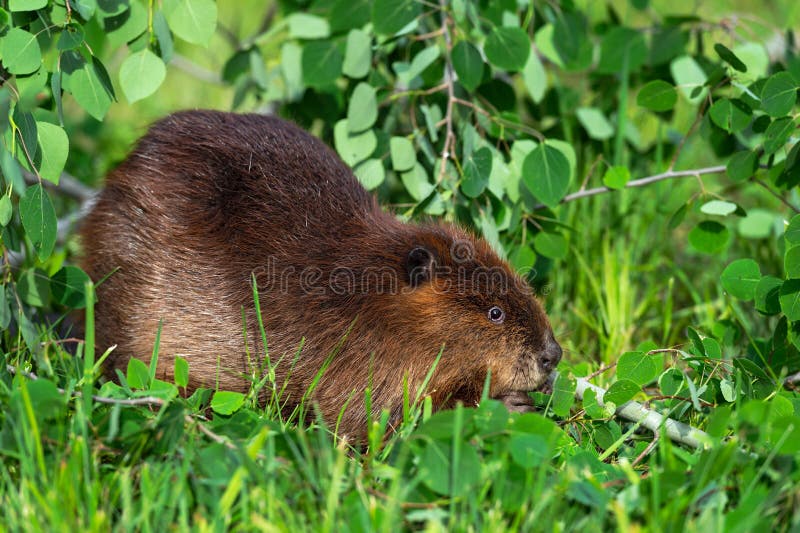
<point x="551" y="355"/>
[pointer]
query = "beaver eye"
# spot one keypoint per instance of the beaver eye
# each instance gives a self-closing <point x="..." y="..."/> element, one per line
<point x="497" y="315"/>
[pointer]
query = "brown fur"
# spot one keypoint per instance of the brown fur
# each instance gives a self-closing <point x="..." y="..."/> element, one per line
<point x="206" y="199"/>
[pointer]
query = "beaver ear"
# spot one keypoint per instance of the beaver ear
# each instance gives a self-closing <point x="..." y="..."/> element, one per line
<point x="419" y="265"/>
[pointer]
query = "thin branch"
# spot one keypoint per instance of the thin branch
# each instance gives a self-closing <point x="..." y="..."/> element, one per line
<point x="655" y="422"/>
<point x="195" y="70"/>
<point x="670" y="174"/>
<point x="783" y="200"/>
<point x="449" y="79"/>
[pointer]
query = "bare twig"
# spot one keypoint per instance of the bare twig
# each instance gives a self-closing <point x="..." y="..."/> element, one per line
<point x="656" y="422"/>
<point x="68" y="185"/>
<point x="670" y="174"/>
<point x="776" y="195"/>
<point x="195" y="70"/>
<point x="449" y="79"/>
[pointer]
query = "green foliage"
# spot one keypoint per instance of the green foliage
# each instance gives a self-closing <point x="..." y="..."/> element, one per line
<point x="503" y="116"/>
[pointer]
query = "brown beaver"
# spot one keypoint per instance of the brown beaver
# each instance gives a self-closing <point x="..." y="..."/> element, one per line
<point x="208" y="199"/>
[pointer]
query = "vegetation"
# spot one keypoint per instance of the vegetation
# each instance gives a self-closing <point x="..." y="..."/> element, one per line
<point x="639" y="161"/>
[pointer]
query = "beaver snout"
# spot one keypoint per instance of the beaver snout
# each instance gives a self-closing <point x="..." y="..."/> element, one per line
<point x="551" y="355"/>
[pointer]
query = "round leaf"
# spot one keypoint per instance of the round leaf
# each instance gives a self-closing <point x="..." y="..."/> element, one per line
<point x="730" y="115"/>
<point x="307" y="26"/>
<point x="529" y="451"/>
<point x="779" y="94"/>
<point x="322" y="63"/>
<point x="54" y="148"/>
<point x="141" y="74"/>
<point x="657" y="95"/>
<point x="616" y="177"/>
<point x="477" y="168"/>
<point x="740" y="279"/>
<point x="468" y="64"/>
<point x="792" y="234"/>
<point x="370" y="173"/>
<point x="789" y="298"/>
<point x="637" y="367"/>
<point x="709" y="237"/>
<point x="416" y="182"/>
<point x="546" y="173"/>
<point x="621" y="391"/>
<point x="363" y="108"/>
<point x="357" y="55"/>
<point x="33" y="287"/>
<point x="552" y="245"/>
<point x="742" y="165"/>
<point x="507" y="48"/>
<point x="403" y="155"/>
<point x="791" y="262"/>
<point x="391" y="16"/>
<point x="20" y="51"/>
<point x="226" y="402"/>
<point x="758" y="224"/>
<point x="766" y="295"/>
<point x="777" y="134"/>
<point x="68" y="287"/>
<point x="353" y="148"/>
<point x="193" y="21"/>
<point x="595" y="123"/>
<point x="622" y="48"/>
<point x="719" y="208"/>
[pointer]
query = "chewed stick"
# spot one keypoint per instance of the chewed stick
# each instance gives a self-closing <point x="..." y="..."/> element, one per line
<point x="655" y="422"/>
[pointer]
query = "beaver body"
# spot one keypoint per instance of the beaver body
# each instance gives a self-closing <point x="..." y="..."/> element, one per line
<point x="208" y="201"/>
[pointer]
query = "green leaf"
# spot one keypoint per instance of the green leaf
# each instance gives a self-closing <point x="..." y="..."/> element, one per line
<point x="730" y="115"/>
<point x="127" y="25"/>
<point x="563" y="396"/>
<point x="468" y="64"/>
<point x="370" y="173"/>
<point x="71" y="38"/>
<point x="26" y="5"/>
<point x="740" y="279"/>
<point x="28" y="134"/>
<point x="68" y="287"/>
<point x="622" y="48"/>
<point x="637" y="367"/>
<point x="792" y="233"/>
<point x="766" y="295"/>
<point x="307" y="26"/>
<point x="507" y="48"/>
<point x="477" y="168"/>
<point x="719" y="208"/>
<point x="391" y="16"/>
<point x="322" y="63"/>
<point x="226" y="402"/>
<point x="791" y="262"/>
<point x="346" y="15"/>
<point x="141" y="74"/>
<point x="54" y="148"/>
<point x="90" y="90"/>
<point x="358" y="54"/>
<point x="779" y="94"/>
<point x="688" y="76"/>
<point x="789" y="299"/>
<point x="20" y="51"/>
<point x="621" y="391"/>
<point x="671" y="382"/>
<point x="5" y="309"/>
<point x="362" y="111"/>
<point x="39" y="220"/>
<point x="5" y="209"/>
<point x="193" y="21"/>
<point x="181" y="372"/>
<point x="353" y="148"/>
<point x="730" y="58"/>
<point x="595" y="123"/>
<point x="529" y="451"/>
<point x="416" y="183"/>
<point x="407" y="72"/>
<point x="778" y="134"/>
<point x="33" y="287"/>
<point x="535" y="78"/>
<point x="742" y="165"/>
<point x="657" y="95"/>
<point x="758" y="224"/>
<point x="552" y="245"/>
<point x="569" y="38"/>
<point x="709" y="237"/>
<point x="546" y="173"/>
<point x="404" y="157"/>
<point x="137" y="374"/>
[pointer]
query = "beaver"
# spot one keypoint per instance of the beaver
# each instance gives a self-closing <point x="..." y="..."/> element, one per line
<point x="209" y="202"/>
